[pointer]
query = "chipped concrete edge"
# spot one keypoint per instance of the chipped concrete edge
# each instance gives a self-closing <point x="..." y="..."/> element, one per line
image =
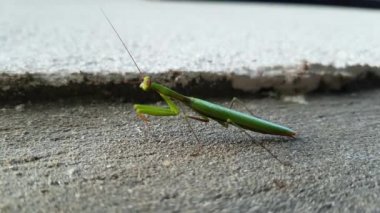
<point x="291" y="80"/>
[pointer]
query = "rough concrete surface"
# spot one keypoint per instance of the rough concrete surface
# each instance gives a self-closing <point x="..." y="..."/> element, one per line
<point x="69" y="48"/>
<point x="96" y="157"/>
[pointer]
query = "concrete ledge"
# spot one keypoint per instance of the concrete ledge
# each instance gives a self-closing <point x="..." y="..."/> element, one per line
<point x="298" y="80"/>
<point x="58" y="51"/>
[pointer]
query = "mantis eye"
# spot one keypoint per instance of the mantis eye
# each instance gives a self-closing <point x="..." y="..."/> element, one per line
<point x="145" y="85"/>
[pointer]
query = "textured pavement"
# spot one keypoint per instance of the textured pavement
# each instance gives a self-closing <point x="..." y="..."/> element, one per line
<point x="86" y="157"/>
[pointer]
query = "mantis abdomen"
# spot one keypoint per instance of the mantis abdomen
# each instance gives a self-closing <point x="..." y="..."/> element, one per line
<point x="230" y="116"/>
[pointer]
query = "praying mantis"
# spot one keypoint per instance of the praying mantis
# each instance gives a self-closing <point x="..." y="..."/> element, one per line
<point x="206" y="110"/>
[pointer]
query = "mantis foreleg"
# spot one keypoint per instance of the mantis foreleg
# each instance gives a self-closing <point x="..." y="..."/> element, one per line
<point x="171" y="110"/>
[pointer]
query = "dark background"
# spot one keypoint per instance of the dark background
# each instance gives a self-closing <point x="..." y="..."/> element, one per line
<point x="375" y="4"/>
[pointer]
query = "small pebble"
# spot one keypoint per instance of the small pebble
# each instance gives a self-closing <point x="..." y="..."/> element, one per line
<point x="20" y="107"/>
<point x="166" y="163"/>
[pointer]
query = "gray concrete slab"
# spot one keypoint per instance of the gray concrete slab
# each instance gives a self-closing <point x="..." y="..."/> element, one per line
<point x="262" y="44"/>
<point x="86" y="157"/>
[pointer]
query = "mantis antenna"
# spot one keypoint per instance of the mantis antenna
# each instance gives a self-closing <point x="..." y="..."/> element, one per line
<point x="125" y="46"/>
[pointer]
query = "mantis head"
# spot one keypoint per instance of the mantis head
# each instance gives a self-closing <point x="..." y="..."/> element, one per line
<point x="145" y="85"/>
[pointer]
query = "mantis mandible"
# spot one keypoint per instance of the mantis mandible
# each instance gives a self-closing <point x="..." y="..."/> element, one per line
<point x="207" y="110"/>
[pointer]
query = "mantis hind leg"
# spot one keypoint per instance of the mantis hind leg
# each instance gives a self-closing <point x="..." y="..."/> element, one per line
<point x="232" y="102"/>
<point x="243" y="131"/>
<point x="171" y="110"/>
<point x="236" y="100"/>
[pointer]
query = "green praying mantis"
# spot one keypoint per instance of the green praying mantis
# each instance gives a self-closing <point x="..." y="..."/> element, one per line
<point x="207" y="110"/>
